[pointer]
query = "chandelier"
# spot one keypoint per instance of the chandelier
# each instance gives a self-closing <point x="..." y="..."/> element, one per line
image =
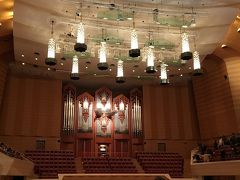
<point x="120" y="78"/>
<point x="164" y="78"/>
<point x="186" y="53"/>
<point x="80" y="46"/>
<point x="75" y="69"/>
<point x="196" y="64"/>
<point x="51" y="60"/>
<point x="134" y="51"/>
<point x="150" y="60"/>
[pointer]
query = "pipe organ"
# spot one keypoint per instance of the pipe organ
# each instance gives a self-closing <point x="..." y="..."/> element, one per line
<point x="90" y="122"/>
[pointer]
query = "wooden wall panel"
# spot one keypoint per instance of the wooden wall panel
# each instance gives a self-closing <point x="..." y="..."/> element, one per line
<point x="169" y="112"/>
<point x="32" y="107"/>
<point x="233" y="68"/>
<point x="213" y="98"/>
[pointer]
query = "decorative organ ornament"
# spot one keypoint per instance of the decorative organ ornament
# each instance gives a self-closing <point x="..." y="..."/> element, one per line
<point x="75" y="68"/>
<point x="164" y="78"/>
<point x="103" y="112"/>
<point x="80" y="46"/>
<point x="121" y="117"/>
<point x="85" y="113"/>
<point x="120" y="78"/>
<point x="150" y="60"/>
<point x="51" y="60"/>
<point x="136" y="113"/>
<point x="186" y="53"/>
<point x="69" y="111"/>
<point x="134" y="51"/>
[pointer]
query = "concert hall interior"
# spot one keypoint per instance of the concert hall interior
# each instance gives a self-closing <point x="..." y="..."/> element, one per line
<point x="135" y="89"/>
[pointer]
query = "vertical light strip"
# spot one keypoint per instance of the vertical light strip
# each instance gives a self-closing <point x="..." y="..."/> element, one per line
<point x="134" y="39"/>
<point x="75" y="68"/>
<point x="103" y="53"/>
<point x="196" y="61"/>
<point x="51" y="48"/>
<point x="120" y="68"/>
<point x="80" y="34"/>
<point x="185" y="43"/>
<point x="150" y="57"/>
<point x="163" y="71"/>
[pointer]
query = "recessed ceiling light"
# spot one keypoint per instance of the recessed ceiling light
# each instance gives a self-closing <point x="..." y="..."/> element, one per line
<point x="223" y="46"/>
<point x="61" y="64"/>
<point x="36" y="58"/>
<point x="110" y="69"/>
<point x="190" y="68"/>
<point x="238" y="17"/>
<point x="133" y="70"/>
<point x="48" y="69"/>
<point x="23" y="63"/>
<point x="138" y="77"/>
<point x="105" y="18"/>
<point x="145" y="70"/>
<point x="22" y="55"/>
<point x="129" y="18"/>
<point x="94" y="74"/>
<point x="184" y="26"/>
<point x="167" y="69"/>
<point x="86" y="67"/>
<point x="181" y="74"/>
<point x="238" y="30"/>
<point x="179" y="69"/>
<point x="0" y="24"/>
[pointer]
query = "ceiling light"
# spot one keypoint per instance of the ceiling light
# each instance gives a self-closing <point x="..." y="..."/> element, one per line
<point x="186" y="54"/>
<point x="75" y="68"/>
<point x="0" y="24"/>
<point x="181" y="75"/>
<point x="22" y="55"/>
<point x="110" y="69"/>
<point x="190" y="68"/>
<point x="150" y="61"/>
<point x="134" y="51"/>
<point x="223" y="46"/>
<point x="23" y="63"/>
<point x="51" y="60"/>
<point x="138" y="77"/>
<point x="238" y="17"/>
<point x="102" y="65"/>
<point x="196" y="64"/>
<point x="163" y="73"/>
<point x="94" y="74"/>
<point x="238" y="30"/>
<point x="48" y="69"/>
<point x="133" y="70"/>
<point x="36" y="58"/>
<point x="184" y="26"/>
<point x="61" y="64"/>
<point x="105" y="18"/>
<point x="129" y="18"/>
<point x="80" y="46"/>
<point x="179" y="69"/>
<point x="86" y="67"/>
<point x="120" y="78"/>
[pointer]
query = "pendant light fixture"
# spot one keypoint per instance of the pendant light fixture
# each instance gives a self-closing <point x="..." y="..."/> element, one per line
<point x="80" y="46"/>
<point x="134" y="51"/>
<point x="75" y="69"/>
<point x="164" y="78"/>
<point x="197" y="71"/>
<point x="120" y="78"/>
<point x="150" y="58"/>
<point x="186" y="53"/>
<point x="102" y="65"/>
<point x="51" y="60"/>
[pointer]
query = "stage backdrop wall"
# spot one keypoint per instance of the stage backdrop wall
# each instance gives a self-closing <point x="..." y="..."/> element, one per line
<point x="32" y="110"/>
<point x="213" y="98"/>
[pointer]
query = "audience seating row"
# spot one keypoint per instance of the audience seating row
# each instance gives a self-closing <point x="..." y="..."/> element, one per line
<point x="108" y="165"/>
<point x="48" y="164"/>
<point x="159" y="162"/>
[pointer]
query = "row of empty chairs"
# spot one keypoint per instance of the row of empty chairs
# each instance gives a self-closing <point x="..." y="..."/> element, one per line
<point x="161" y="162"/>
<point x="108" y="165"/>
<point x="48" y="164"/>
